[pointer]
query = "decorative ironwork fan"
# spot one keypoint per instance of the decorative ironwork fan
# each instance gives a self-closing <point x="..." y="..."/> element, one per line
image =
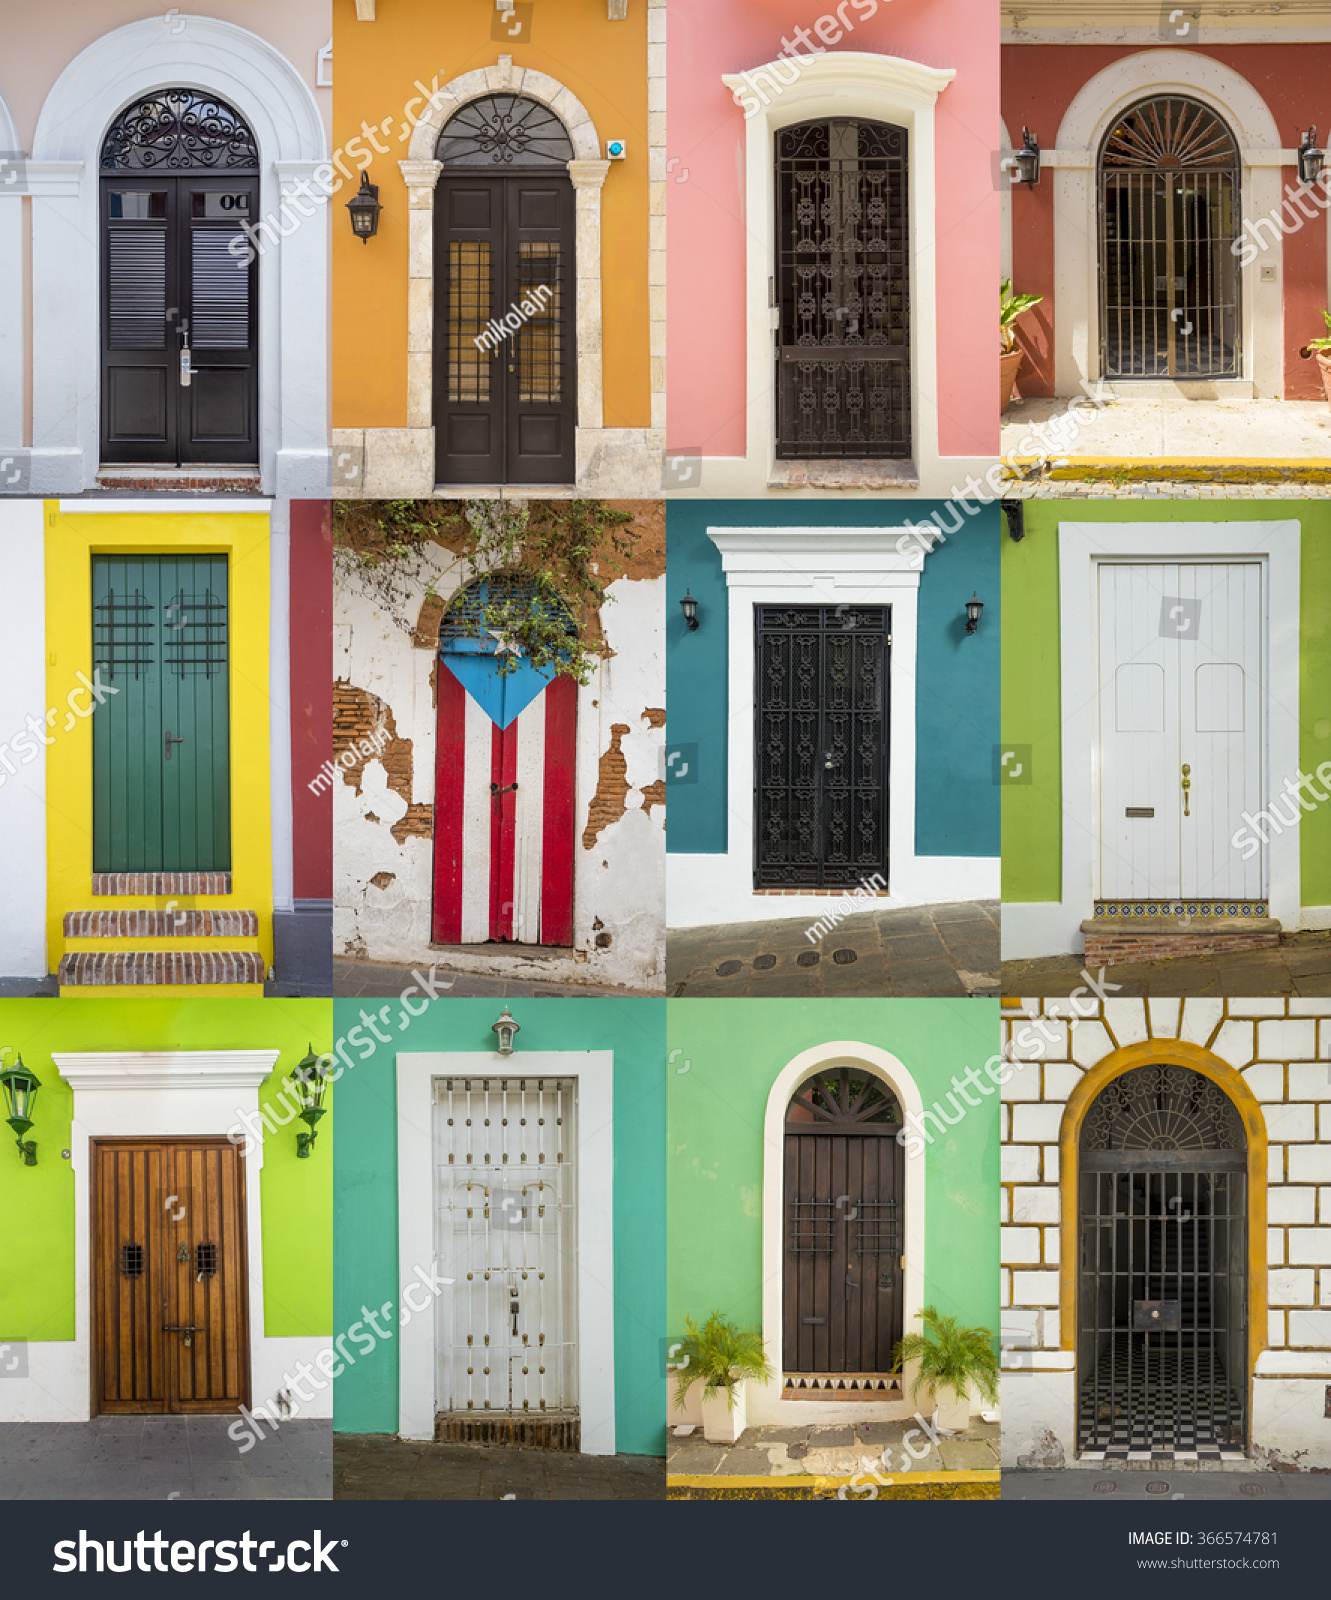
<point x="504" y="130"/>
<point x="179" y="130"/>
<point x="1169" y="134"/>
<point x="1163" y="1108"/>
<point x="842" y="1097"/>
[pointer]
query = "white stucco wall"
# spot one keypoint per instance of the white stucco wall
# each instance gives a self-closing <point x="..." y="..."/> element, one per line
<point x="23" y="695"/>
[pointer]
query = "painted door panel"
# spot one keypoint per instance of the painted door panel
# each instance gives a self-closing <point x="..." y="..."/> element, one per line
<point x="161" y="739"/>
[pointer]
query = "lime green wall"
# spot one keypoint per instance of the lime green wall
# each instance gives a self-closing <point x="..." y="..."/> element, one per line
<point x="724" y="1057"/>
<point x="1032" y="813"/>
<point x="37" y="1203"/>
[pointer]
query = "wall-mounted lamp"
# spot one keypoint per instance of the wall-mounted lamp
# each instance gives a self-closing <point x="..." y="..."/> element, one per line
<point x="1015" y="512"/>
<point x="974" y="606"/>
<point x="310" y="1079"/>
<point x="689" y="606"/>
<point x="1310" y="157"/>
<point x="1027" y="159"/>
<point x="505" y="1028"/>
<point x="21" y="1086"/>
<point x="365" y="208"/>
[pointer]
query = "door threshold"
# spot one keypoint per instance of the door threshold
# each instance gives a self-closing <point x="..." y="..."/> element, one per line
<point x="214" y="478"/>
<point x="841" y="1386"/>
<point x="511" y="1430"/>
<point x="843" y="473"/>
<point x="505" y="491"/>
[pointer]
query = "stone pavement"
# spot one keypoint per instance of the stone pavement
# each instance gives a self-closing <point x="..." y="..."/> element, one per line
<point x="375" y="979"/>
<point x="163" y="1458"/>
<point x="377" y="1466"/>
<point x="1082" y="1483"/>
<point x="1300" y="965"/>
<point x="923" y="950"/>
<point x="837" y="1450"/>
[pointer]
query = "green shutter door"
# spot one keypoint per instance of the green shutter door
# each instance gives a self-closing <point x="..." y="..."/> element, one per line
<point x="160" y="641"/>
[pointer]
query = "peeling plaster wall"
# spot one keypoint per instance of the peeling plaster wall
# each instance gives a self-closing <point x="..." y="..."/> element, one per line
<point x="383" y="806"/>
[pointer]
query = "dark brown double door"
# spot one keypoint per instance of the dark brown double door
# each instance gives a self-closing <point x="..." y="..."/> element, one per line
<point x="180" y="367"/>
<point x="505" y="404"/>
<point x="169" y="1276"/>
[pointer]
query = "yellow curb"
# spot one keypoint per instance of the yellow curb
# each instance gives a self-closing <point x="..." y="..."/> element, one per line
<point x="1164" y="469"/>
<point x="856" y="1480"/>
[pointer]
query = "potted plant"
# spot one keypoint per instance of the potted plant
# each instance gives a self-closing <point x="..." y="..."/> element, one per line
<point x="1321" y="348"/>
<point x="954" y="1362"/>
<point x="1010" y="307"/>
<point x="722" y="1358"/>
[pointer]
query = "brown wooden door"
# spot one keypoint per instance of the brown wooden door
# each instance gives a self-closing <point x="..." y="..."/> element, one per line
<point x="169" y="1276"/>
<point x="843" y="1269"/>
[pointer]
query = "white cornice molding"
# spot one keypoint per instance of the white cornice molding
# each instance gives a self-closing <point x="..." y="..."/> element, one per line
<point x="165" y="1069"/>
<point x="849" y="70"/>
<point x="799" y="554"/>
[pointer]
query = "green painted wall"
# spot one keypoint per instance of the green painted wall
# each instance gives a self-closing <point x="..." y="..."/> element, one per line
<point x="1032" y="812"/>
<point x="724" y="1057"/>
<point x="365" y="1397"/>
<point x="37" y="1203"/>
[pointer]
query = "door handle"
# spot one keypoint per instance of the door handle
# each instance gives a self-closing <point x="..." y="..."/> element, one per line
<point x="1187" y="784"/>
<point x="513" y="1309"/>
<point x="496" y="791"/>
<point x="186" y="370"/>
<point x="172" y="738"/>
<point x="189" y="1330"/>
<point x="829" y="761"/>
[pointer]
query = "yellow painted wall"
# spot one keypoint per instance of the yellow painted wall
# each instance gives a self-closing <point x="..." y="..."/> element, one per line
<point x="71" y="542"/>
<point x="376" y="67"/>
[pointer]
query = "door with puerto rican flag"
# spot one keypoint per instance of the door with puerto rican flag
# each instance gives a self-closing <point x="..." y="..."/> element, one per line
<point x="504" y="781"/>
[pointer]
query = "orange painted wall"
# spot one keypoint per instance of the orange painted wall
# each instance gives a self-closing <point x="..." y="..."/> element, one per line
<point x="375" y="67"/>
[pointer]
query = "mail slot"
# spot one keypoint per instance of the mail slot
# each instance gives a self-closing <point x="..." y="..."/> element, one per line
<point x="814" y="1322"/>
<point x="1139" y="811"/>
<point x="1155" y="1316"/>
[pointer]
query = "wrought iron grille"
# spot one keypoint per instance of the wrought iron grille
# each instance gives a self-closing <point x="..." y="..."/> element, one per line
<point x="205" y="1260"/>
<point x="821" y="746"/>
<point x="539" y="341"/>
<point x="122" y="633"/>
<point x="179" y="130"/>
<point x="1163" y="1108"/>
<point x="813" y="1225"/>
<point x="843" y="1101"/>
<point x="470" y="308"/>
<point x="194" y="634"/>
<point x="131" y="1260"/>
<point x="1169" y="214"/>
<point x="504" y="130"/>
<point x="842" y="291"/>
<point x="501" y="599"/>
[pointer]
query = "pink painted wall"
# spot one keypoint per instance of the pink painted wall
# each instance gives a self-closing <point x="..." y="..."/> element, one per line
<point x="705" y="202"/>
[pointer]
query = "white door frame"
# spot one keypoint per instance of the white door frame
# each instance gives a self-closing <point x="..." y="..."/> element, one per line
<point x="593" y="1073"/>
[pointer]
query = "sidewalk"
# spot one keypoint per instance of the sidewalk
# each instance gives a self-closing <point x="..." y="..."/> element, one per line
<point x="378" y="979"/>
<point x="1301" y="965"/>
<point x="1084" y="1484"/>
<point x="377" y="1466"/>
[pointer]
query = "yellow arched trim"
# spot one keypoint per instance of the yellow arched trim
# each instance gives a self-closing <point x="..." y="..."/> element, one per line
<point x="1173" y="1053"/>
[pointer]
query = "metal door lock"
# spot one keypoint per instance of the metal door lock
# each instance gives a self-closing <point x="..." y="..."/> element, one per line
<point x="170" y="739"/>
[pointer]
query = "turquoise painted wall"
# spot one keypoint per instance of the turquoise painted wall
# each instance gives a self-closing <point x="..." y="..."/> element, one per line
<point x="366" y="1270"/>
<point x="724" y="1057"/>
<point x="37" y="1203"/>
<point x="957" y="689"/>
<point x="1032" y="811"/>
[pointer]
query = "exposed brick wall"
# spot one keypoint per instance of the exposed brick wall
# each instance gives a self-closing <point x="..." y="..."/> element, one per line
<point x="1106" y="949"/>
<point x="134" y="967"/>
<point x="358" y="714"/>
<point x="612" y="788"/>
<point x="179" y="924"/>
<point x="113" y="883"/>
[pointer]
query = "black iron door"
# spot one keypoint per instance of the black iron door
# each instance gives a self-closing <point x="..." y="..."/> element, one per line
<point x="179" y="308"/>
<point x="1162" y="1286"/>
<point x="842" y="1269"/>
<point x="842" y="290"/>
<point x="1169" y="210"/>
<point x="821" y="746"/>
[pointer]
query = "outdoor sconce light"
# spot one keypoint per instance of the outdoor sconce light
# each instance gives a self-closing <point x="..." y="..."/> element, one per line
<point x="689" y="606"/>
<point x="1310" y="157"/>
<point x="365" y="208"/>
<point x="1015" y="512"/>
<point x="21" y="1086"/>
<point x="974" y="606"/>
<point x="505" y="1028"/>
<point x="310" y="1077"/>
<point x="1027" y="159"/>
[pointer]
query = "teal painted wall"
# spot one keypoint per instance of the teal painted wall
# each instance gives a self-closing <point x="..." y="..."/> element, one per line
<point x="957" y="689"/>
<point x="1032" y="812"/>
<point x="724" y="1057"/>
<point x="365" y="1397"/>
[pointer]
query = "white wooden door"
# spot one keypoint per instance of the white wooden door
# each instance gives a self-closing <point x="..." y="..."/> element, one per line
<point x="1181" y="670"/>
<point x="506" y="1337"/>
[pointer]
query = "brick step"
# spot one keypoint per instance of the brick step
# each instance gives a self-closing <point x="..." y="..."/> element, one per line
<point x="1110" y="941"/>
<point x="161" y="924"/>
<point x="133" y="968"/>
<point x="161" y="883"/>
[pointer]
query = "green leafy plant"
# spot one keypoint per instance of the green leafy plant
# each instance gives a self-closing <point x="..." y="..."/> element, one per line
<point x="1324" y="343"/>
<point x="721" y="1355"/>
<point x="950" y="1356"/>
<point x="1010" y="307"/>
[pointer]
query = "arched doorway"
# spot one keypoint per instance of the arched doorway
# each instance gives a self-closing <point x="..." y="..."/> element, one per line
<point x="505" y="776"/>
<point x="179" y="308"/>
<point x="1162" y="1286"/>
<point x="505" y="368"/>
<point x="1169" y="214"/>
<point x="842" y="344"/>
<point x="843" y="1266"/>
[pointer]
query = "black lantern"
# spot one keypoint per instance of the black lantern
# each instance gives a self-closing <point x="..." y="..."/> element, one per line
<point x="974" y="606"/>
<point x="1310" y="157"/>
<point x="310" y="1080"/>
<point x="505" y="1028"/>
<point x="365" y="208"/>
<point x="21" y="1086"/>
<point x="1027" y="159"/>
<point x="689" y="606"/>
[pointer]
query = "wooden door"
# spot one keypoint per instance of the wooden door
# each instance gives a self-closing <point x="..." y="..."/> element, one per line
<point x="170" y="1320"/>
<point x="180" y="370"/>
<point x="161" y="740"/>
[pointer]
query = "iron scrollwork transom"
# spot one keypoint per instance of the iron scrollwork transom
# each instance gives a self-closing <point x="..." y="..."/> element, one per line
<point x="1163" y="1108"/>
<point x="841" y="1099"/>
<point x="504" y="130"/>
<point x="179" y="130"/>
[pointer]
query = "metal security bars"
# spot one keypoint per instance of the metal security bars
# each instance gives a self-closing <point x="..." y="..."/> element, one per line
<point x="1169" y="214"/>
<point x="505" y="1232"/>
<point x="820" y="745"/>
<point x="842" y="291"/>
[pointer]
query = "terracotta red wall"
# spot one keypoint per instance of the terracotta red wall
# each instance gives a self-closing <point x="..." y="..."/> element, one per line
<point x="1039" y="82"/>
<point x="311" y="700"/>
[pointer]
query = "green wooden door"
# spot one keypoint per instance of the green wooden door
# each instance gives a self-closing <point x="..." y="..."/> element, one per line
<point x="161" y="741"/>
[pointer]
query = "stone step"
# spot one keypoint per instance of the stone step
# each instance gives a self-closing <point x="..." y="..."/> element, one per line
<point x="144" y="924"/>
<point x="1110" y="941"/>
<point x="220" y="479"/>
<point x="134" y="968"/>
<point x="161" y="883"/>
